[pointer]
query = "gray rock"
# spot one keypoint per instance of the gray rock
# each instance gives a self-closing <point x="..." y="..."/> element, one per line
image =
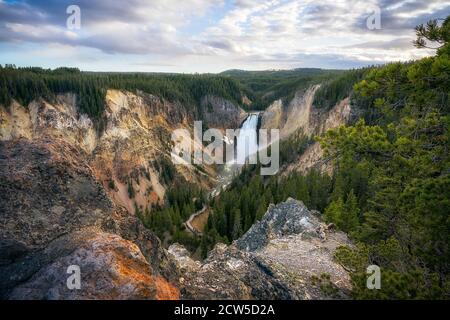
<point x="109" y="268"/>
<point x="287" y="218"/>
<point x="229" y="273"/>
<point x="11" y="251"/>
<point x="280" y="257"/>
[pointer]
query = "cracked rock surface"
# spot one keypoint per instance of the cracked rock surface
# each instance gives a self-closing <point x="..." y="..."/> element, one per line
<point x="280" y="257"/>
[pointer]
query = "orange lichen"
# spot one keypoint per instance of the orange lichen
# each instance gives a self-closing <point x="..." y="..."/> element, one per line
<point x="165" y="291"/>
<point x="133" y="269"/>
<point x="140" y="274"/>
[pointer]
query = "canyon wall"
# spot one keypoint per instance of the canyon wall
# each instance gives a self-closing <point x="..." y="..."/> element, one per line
<point x="301" y="115"/>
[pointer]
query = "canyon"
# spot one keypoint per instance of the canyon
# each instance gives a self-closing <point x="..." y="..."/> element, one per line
<point x="64" y="201"/>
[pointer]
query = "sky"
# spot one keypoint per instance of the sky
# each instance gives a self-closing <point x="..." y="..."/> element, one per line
<point x="190" y="36"/>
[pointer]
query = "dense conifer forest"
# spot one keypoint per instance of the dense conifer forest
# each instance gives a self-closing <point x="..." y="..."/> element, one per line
<point x="27" y="84"/>
<point x="264" y="87"/>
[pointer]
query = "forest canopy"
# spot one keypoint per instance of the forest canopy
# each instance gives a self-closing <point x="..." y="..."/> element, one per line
<point x="27" y="84"/>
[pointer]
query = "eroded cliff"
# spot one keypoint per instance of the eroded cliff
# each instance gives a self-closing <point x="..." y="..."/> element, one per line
<point x="300" y="114"/>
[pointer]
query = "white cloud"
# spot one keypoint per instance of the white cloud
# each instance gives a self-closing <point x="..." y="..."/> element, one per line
<point x="251" y="34"/>
<point x="318" y="27"/>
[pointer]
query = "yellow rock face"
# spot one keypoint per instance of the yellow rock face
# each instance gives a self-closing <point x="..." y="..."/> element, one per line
<point x="137" y="133"/>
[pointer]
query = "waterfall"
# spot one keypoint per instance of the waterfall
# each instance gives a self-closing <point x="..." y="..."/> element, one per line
<point x="246" y="145"/>
<point x="247" y="141"/>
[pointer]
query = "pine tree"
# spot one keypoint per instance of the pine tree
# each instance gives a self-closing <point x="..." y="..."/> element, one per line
<point x="349" y="217"/>
<point x="237" y="227"/>
<point x="333" y="213"/>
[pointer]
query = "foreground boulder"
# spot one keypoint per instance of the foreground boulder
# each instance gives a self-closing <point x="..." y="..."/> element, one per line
<point x="287" y="255"/>
<point x="228" y="273"/>
<point x="55" y="214"/>
<point x="110" y="268"/>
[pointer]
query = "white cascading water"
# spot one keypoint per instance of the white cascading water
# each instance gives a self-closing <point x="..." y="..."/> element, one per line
<point x="246" y="145"/>
<point x="247" y="141"/>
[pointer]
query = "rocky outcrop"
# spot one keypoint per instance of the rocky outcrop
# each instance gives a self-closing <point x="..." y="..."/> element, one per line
<point x="54" y="213"/>
<point x="312" y="157"/>
<point x="110" y="268"/>
<point x="274" y="116"/>
<point x="339" y="114"/>
<point x="287" y="255"/>
<point x="227" y="273"/>
<point x="287" y="218"/>
<point x="41" y="119"/>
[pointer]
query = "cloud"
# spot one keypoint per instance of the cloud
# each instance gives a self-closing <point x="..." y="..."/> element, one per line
<point x="137" y="26"/>
<point x="251" y="33"/>
<point x="396" y="44"/>
<point x="331" y="29"/>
